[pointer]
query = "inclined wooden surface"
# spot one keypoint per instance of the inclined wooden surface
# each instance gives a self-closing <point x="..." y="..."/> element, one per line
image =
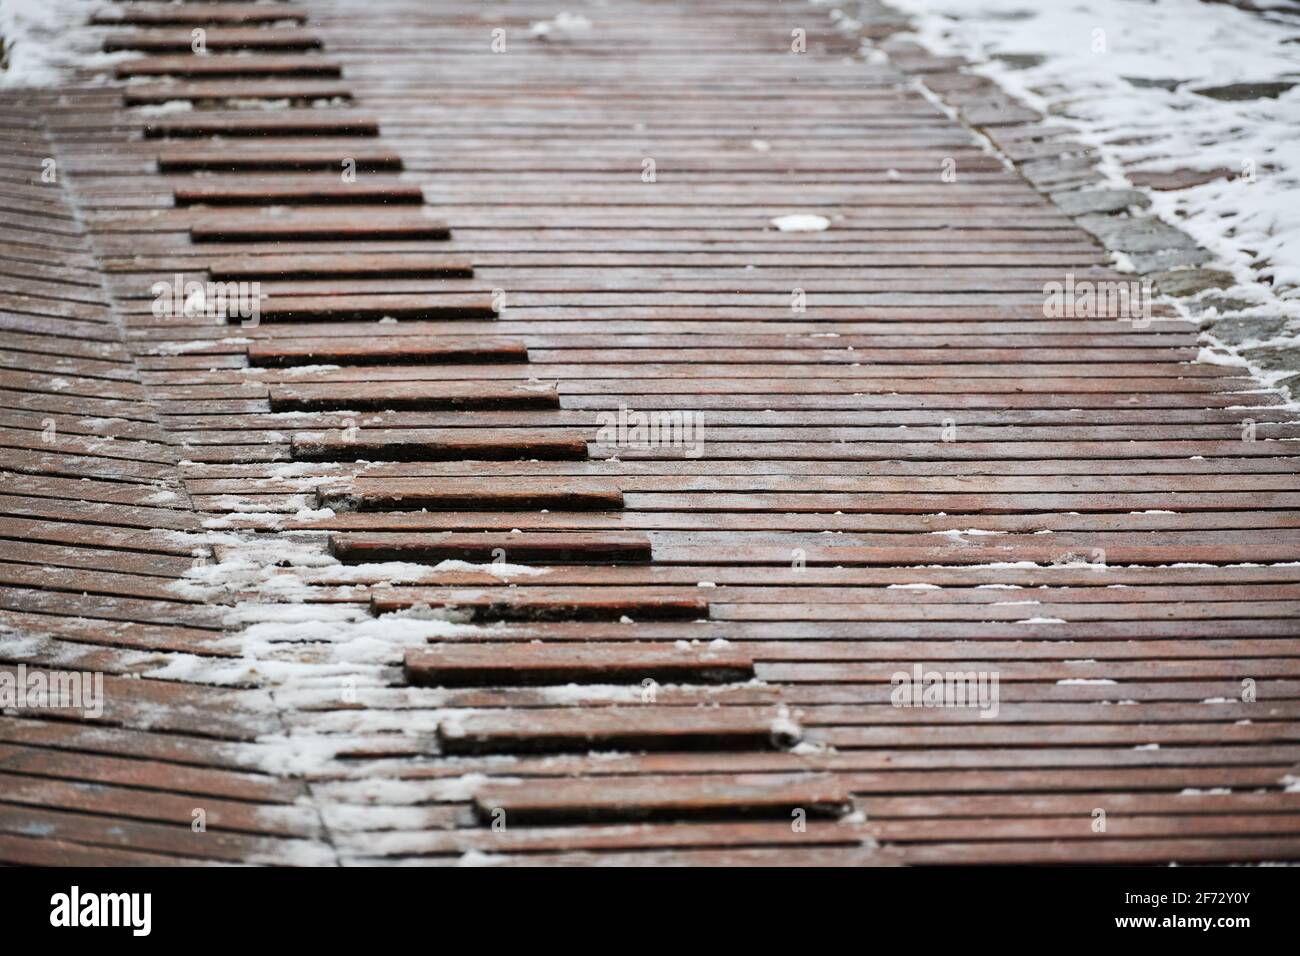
<point x="499" y="275"/>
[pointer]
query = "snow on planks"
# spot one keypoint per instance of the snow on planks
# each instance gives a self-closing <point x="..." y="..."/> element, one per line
<point x="92" y="546"/>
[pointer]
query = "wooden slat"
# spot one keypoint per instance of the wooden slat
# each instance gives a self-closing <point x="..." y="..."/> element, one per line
<point x="535" y="604"/>
<point x="185" y="159"/>
<point x="538" y="842"/>
<point x="329" y="123"/>
<point x="317" y="227"/>
<point x="469" y="665"/>
<point x="486" y="494"/>
<point x="434" y="445"/>
<point x="197" y="14"/>
<point x="243" y="191"/>
<point x="553" y="801"/>
<point x="359" y="308"/>
<point x="280" y="352"/>
<point x="418" y="444"/>
<point x="147" y="94"/>
<point x="616" y="728"/>
<point x="228" y="66"/>
<point x="524" y="548"/>
<point x="326" y="265"/>
<point x="218" y="38"/>
<point x="425" y="395"/>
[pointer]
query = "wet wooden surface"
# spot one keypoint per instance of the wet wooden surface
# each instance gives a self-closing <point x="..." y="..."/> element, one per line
<point x="348" y="568"/>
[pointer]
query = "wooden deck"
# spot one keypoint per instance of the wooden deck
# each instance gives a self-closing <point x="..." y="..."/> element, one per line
<point x="473" y="266"/>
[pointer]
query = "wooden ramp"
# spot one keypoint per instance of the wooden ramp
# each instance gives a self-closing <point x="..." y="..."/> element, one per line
<point x="614" y="440"/>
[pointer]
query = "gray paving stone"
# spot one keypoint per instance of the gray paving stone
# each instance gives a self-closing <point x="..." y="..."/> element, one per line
<point x="1167" y="259"/>
<point x="1019" y="61"/>
<point x="1146" y="83"/>
<point x="1236" y="329"/>
<point x="1234" y="92"/>
<point x="1136" y="234"/>
<point x="1184" y="282"/>
<point x="1082" y="202"/>
<point x="1274" y="358"/>
<point x="1239" y="328"/>
<point x="1291" y="383"/>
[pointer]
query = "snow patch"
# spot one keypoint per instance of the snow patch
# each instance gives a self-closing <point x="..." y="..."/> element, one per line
<point x="41" y="44"/>
<point x="1134" y="102"/>
<point x="801" y="222"/>
<point x="563" y="28"/>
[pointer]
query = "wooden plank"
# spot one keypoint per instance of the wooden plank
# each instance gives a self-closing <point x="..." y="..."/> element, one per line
<point x="605" y="838"/>
<point x="561" y="800"/>
<point x="218" y="38"/>
<point x="616" y="728"/>
<point x="187" y="159"/>
<point x="326" y="265"/>
<point x="244" y="191"/>
<point x="524" y="548"/>
<point x="281" y="352"/>
<point x="359" y="308"/>
<point x="331" y="123"/>
<point x="469" y="494"/>
<point x="436" y="445"/>
<point x="138" y="837"/>
<point x="228" y="66"/>
<point x="197" y="14"/>
<point x="424" y="395"/>
<point x="534" y="604"/>
<point x="150" y="94"/>
<point x="318" y="227"/>
<point x="19" y="850"/>
<point x="1110" y="852"/>
<point x="471" y="665"/>
<point x="123" y="802"/>
<point x="803" y="856"/>
<point x="142" y="773"/>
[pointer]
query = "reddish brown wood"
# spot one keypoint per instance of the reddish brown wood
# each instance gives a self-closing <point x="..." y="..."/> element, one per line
<point x="559" y="800"/>
<point x="239" y="124"/>
<point x="616" y="728"/>
<point x="581" y="604"/>
<point x="326" y="265"/>
<point x="1112" y="529"/>
<point x="197" y="14"/>
<point x="187" y="159"/>
<point x="319" y="191"/>
<point x="228" y="66"/>
<point x="359" y="308"/>
<point x="219" y="38"/>
<point x="424" y="395"/>
<point x="366" y="351"/>
<point x="424" y="445"/>
<point x="146" y="94"/>
<point x="468" y="494"/>
<point x="523" y="548"/>
<point x="477" y="665"/>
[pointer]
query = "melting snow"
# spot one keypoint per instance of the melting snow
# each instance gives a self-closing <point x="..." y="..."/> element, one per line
<point x="40" y="48"/>
<point x="1134" y="100"/>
